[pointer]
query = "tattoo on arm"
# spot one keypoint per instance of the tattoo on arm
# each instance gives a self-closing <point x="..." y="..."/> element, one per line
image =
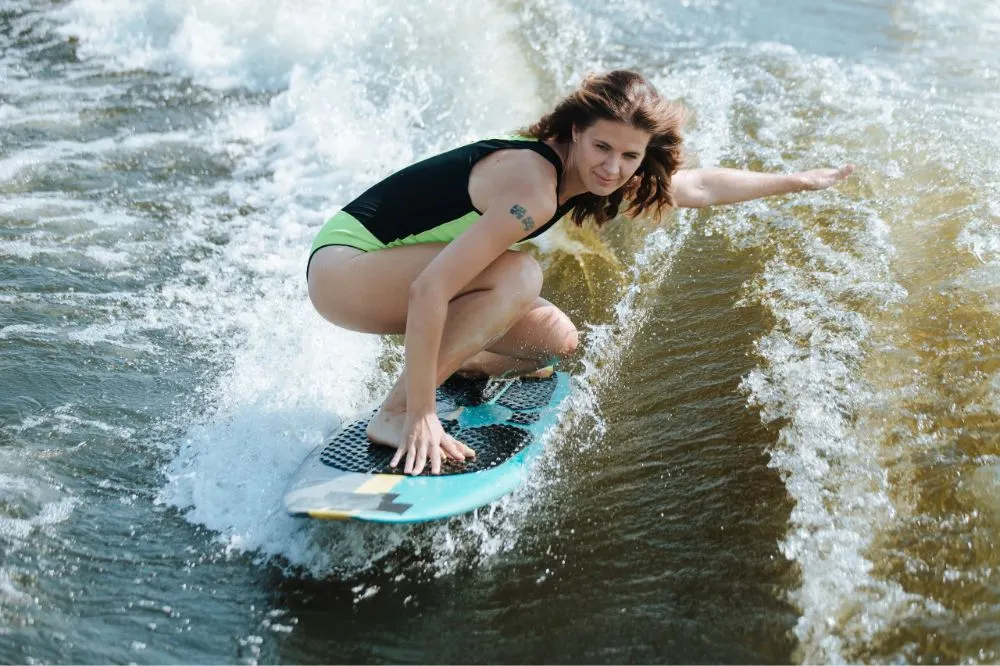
<point x="520" y="213"/>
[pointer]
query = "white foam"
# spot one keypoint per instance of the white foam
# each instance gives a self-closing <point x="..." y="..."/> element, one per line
<point x="41" y="204"/>
<point x="278" y="400"/>
<point x="11" y="593"/>
<point x="972" y="19"/>
<point x="334" y="69"/>
<point x="16" y="531"/>
<point x="10" y="113"/>
<point x="27" y="331"/>
<point x="53" y="151"/>
<point x="830" y="268"/>
<point x="981" y="237"/>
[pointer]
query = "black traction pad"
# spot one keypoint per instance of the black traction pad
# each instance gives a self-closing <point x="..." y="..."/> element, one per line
<point x="349" y="450"/>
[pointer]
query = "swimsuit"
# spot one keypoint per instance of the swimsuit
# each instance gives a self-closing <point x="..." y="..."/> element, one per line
<point x="426" y="202"/>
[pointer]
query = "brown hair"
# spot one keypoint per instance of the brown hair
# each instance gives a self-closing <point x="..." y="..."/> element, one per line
<point x="626" y="97"/>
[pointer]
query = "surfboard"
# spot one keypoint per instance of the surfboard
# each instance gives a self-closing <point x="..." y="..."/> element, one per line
<point x="348" y="478"/>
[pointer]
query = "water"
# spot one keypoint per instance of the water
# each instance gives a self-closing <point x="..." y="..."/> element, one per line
<point x="784" y="444"/>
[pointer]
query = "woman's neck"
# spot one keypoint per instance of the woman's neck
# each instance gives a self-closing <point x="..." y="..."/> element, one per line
<point x="570" y="183"/>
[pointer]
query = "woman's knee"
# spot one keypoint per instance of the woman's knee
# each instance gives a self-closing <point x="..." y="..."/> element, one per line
<point x="566" y="338"/>
<point x="550" y="331"/>
<point x="570" y="341"/>
<point x="520" y="276"/>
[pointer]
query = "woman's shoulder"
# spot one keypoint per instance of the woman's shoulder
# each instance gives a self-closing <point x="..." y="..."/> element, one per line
<point x="522" y="157"/>
<point x="525" y="173"/>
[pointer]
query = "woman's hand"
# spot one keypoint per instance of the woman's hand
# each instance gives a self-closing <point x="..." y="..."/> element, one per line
<point x="820" y="179"/>
<point x="424" y="439"/>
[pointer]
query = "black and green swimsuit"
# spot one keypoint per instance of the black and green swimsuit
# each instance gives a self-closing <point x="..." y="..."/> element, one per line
<point x="427" y="202"/>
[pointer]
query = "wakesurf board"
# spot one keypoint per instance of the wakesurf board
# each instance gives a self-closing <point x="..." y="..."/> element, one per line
<point x="504" y="421"/>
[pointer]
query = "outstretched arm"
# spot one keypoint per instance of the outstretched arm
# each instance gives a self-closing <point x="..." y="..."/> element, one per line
<point x="697" y="188"/>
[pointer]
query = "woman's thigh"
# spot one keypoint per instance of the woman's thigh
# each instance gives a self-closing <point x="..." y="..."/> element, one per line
<point x="370" y="291"/>
<point x="367" y="291"/>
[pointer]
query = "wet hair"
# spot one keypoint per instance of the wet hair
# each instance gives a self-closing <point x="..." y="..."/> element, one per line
<point x="626" y="97"/>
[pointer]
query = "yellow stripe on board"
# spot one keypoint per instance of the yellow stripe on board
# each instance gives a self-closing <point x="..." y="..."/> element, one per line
<point x="378" y="484"/>
<point x="331" y="514"/>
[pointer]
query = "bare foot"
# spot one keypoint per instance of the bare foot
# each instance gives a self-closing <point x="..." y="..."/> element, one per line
<point x="386" y="428"/>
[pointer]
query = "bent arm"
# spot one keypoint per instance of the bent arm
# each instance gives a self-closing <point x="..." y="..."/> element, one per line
<point x="697" y="188"/>
<point x="509" y="217"/>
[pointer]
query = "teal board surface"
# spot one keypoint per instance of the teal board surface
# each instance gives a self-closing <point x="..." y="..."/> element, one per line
<point x="347" y="478"/>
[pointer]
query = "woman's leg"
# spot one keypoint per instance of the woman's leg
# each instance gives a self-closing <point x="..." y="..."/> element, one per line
<point x="542" y="337"/>
<point x="369" y="292"/>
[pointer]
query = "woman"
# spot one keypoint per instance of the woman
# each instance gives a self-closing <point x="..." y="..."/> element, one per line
<point x="427" y="251"/>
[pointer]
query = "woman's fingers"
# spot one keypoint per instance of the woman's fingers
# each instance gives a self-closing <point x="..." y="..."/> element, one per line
<point x="820" y="179"/>
<point x="412" y="454"/>
<point x="435" y="457"/>
<point x="429" y="446"/>
<point x="418" y="457"/>
<point x="408" y="463"/>
<point x="420" y="460"/>
<point x="457" y="449"/>
<point x="465" y="450"/>
<point x="453" y="448"/>
<point x="843" y="173"/>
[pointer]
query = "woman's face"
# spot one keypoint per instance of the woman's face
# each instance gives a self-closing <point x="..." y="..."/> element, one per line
<point x="607" y="154"/>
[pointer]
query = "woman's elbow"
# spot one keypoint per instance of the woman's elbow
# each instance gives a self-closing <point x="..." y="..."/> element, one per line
<point x="689" y="192"/>
<point x="692" y="198"/>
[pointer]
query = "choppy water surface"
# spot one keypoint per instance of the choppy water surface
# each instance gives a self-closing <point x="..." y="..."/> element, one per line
<point x="784" y="445"/>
